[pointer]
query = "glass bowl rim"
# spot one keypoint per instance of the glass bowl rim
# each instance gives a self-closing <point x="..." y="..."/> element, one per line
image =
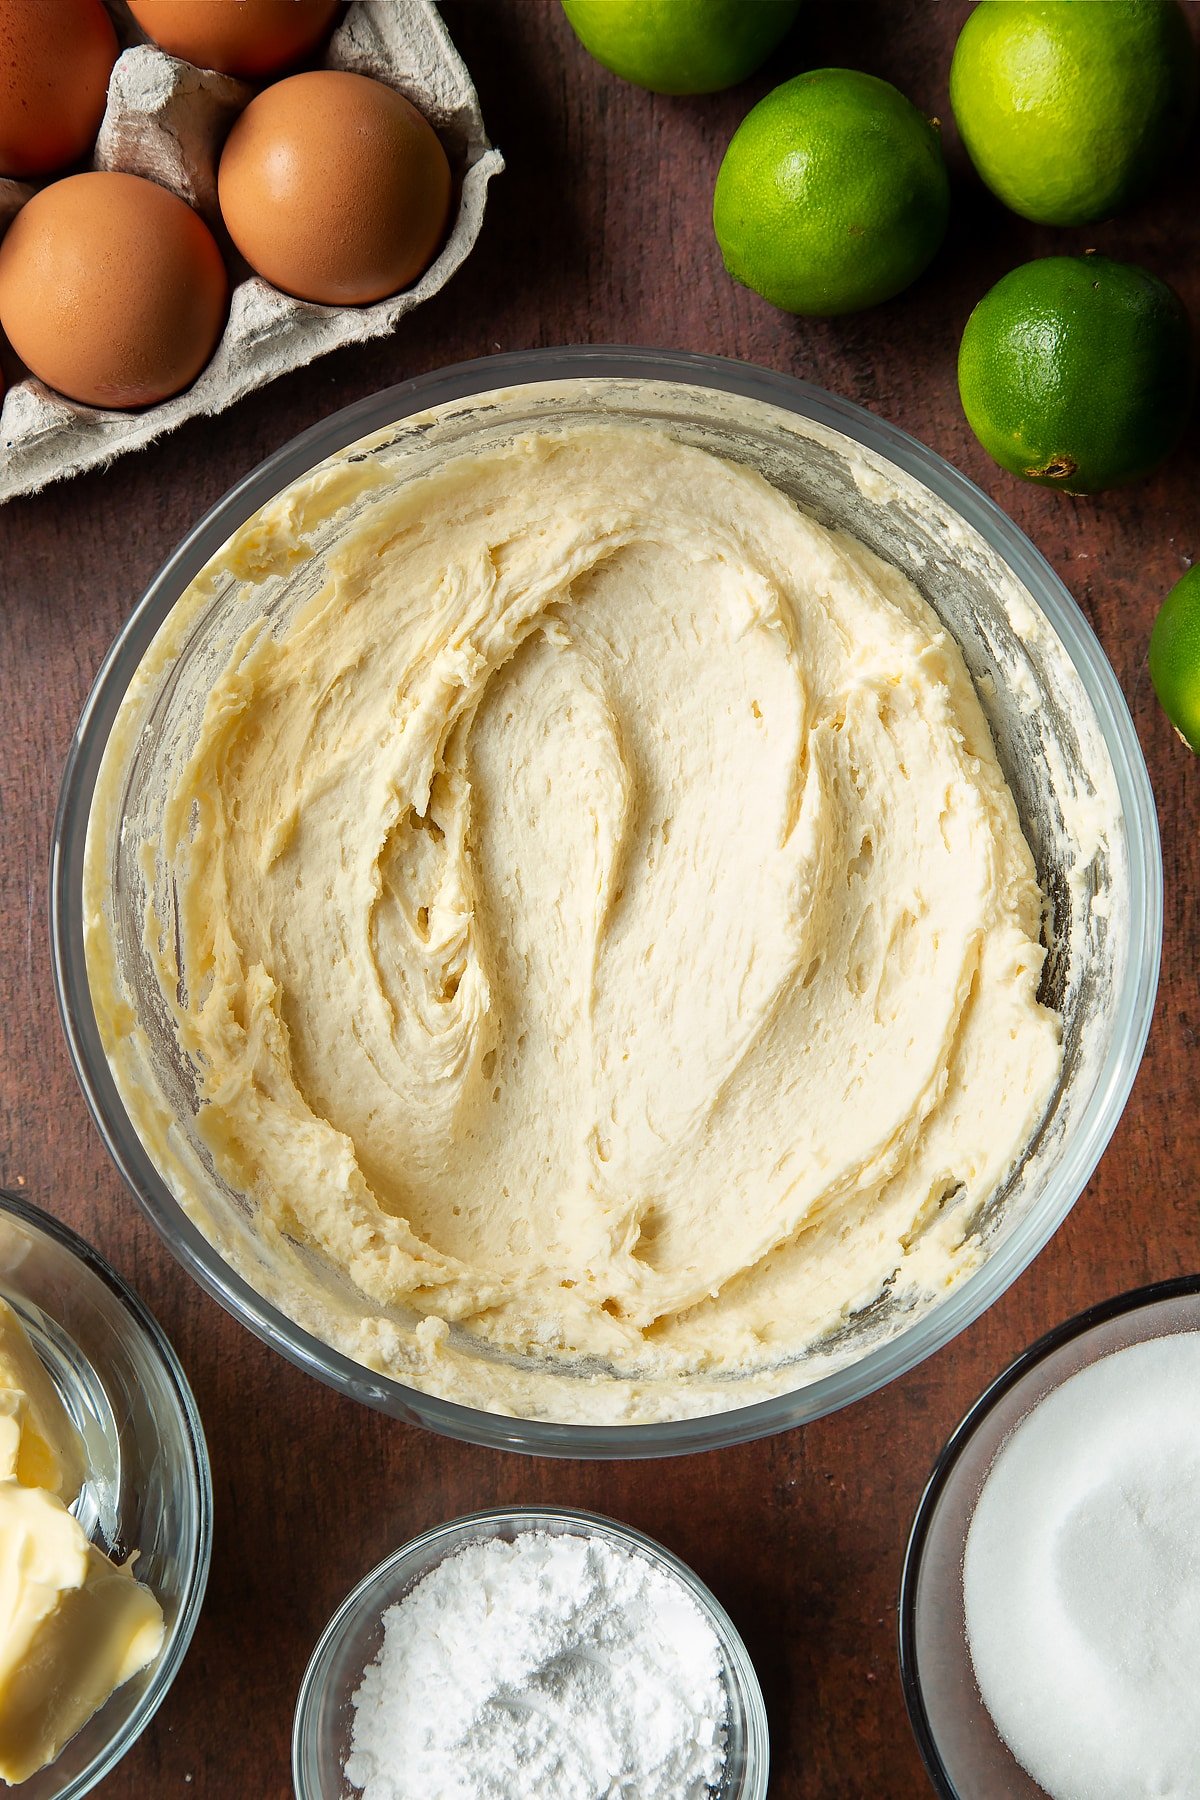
<point x="1102" y="1312"/>
<point x="159" y="1346"/>
<point x="1083" y="1149"/>
<point x="527" y="1518"/>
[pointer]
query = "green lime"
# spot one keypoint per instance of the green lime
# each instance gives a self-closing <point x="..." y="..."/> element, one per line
<point x="681" y="46"/>
<point x="1070" y="108"/>
<point x="833" y="194"/>
<point x="1076" y="372"/>
<point x="1175" y="657"/>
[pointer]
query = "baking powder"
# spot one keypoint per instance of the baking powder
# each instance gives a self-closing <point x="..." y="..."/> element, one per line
<point x="554" y="1667"/>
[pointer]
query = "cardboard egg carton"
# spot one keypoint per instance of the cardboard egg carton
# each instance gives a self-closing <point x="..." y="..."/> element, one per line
<point x="167" y="120"/>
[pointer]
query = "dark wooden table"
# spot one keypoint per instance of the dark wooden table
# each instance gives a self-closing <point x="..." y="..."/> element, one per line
<point x="599" y="232"/>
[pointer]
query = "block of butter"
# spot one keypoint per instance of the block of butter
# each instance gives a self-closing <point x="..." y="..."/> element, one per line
<point x="35" y="1430"/>
<point x="73" y="1627"/>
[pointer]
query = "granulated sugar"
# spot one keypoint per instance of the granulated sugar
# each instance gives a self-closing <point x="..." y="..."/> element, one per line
<point x="1081" y="1580"/>
<point x="554" y="1667"/>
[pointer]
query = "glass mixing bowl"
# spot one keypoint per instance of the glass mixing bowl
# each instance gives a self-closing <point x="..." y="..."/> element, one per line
<point x="1062" y="732"/>
<point x="352" y="1639"/>
<point x="148" y="1487"/>
<point x="964" y="1753"/>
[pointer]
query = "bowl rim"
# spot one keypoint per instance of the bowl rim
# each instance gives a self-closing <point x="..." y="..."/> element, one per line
<point x="1102" y="1312"/>
<point x="976" y="1291"/>
<point x="178" y="1641"/>
<point x="527" y="1518"/>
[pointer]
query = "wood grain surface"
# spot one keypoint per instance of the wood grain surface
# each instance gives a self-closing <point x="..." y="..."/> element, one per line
<point x="600" y="231"/>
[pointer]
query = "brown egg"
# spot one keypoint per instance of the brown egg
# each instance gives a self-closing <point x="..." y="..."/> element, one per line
<point x="334" y="188"/>
<point x="111" y="290"/>
<point x="251" y="38"/>
<point x="55" y="60"/>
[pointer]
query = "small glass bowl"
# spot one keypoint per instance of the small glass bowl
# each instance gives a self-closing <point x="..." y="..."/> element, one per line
<point x="351" y="1641"/>
<point x="148" y="1486"/>
<point x="964" y="1754"/>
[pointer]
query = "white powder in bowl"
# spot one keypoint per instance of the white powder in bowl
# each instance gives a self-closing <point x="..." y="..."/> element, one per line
<point x="554" y="1667"/>
<point x="1081" y="1580"/>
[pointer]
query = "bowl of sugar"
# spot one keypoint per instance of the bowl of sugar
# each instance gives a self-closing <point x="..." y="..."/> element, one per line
<point x="541" y="1651"/>
<point x="1050" y="1602"/>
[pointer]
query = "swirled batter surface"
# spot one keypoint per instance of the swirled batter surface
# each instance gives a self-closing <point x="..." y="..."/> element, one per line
<point x="605" y="922"/>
